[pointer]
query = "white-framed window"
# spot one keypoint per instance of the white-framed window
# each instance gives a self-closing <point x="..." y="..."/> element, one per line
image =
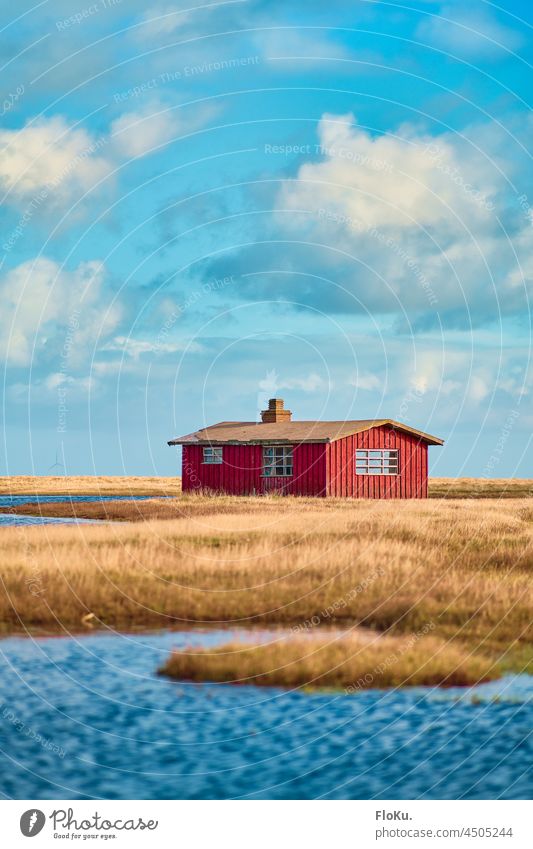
<point x="212" y="455"/>
<point x="376" y="461"/>
<point x="277" y="461"/>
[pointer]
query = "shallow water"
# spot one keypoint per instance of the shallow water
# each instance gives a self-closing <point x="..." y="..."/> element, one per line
<point x="16" y="500"/>
<point x="119" y="731"/>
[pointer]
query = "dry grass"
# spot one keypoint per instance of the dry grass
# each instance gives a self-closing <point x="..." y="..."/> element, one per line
<point x="138" y="511"/>
<point x="480" y="488"/>
<point x="154" y="486"/>
<point x="335" y="661"/>
<point x="121" y="511"/>
<point x="125" y="511"/>
<point x="463" y="566"/>
<point x="88" y="485"/>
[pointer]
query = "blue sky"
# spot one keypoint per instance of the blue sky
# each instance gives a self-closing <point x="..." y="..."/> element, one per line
<point x="208" y="204"/>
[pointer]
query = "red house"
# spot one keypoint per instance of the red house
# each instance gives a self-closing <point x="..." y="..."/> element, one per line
<point x="355" y="459"/>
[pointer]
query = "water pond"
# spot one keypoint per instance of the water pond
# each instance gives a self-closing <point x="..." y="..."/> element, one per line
<point x="16" y="500"/>
<point x="84" y="717"/>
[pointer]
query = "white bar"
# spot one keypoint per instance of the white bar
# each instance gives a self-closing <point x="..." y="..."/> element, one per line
<point x="274" y="824"/>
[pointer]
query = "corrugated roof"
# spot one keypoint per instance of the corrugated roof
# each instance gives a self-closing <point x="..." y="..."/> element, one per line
<point x="293" y="432"/>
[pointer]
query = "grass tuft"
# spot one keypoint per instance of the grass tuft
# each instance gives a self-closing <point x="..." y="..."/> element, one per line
<point x="346" y="662"/>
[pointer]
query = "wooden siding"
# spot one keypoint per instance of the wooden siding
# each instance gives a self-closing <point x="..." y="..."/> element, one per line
<point x="411" y="482"/>
<point x="319" y="469"/>
<point x="240" y="471"/>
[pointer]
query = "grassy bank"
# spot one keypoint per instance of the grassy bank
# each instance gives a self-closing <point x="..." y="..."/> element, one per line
<point x="88" y="485"/>
<point x="138" y="511"/>
<point x="180" y="507"/>
<point x="345" y="662"/>
<point x="158" y="486"/>
<point x="480" y="488"/>
<point x="463" y="567"/>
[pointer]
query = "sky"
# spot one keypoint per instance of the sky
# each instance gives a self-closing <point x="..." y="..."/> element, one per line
<point x="205" y="205"/>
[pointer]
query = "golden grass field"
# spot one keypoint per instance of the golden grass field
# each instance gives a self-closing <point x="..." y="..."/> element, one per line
<point x="458" y="567"/>
<point x="88" y="485"/>
<point x="117" y="485"/>
<point x="480" y="488"/>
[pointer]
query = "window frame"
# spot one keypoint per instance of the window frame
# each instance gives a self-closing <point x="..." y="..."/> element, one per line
<point x="385" y="464"/>
<point x="286" y="462"/>
<point x="216" y="454"/>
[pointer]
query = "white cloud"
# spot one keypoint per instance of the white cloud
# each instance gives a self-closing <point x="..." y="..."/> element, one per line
<point x="53" y="162"/>
<point x="142" y="132"/>
<point x="51" y="155"/>
<point x="134" y="348"/>
<point x="138" y="133"/>
<point x="47" y="310"/>
<point x="415" y="380"/>
<point x="451" y="376"/>
<point x="272" y="383"/>
<point x="400" y="180"/>
<point x="299" y="49"/>
<point x="157" y="22"/>
<point x="367" y="382"/>
<point x="67" y="381"/>
<point x="44" y="390"/>
<point x="417" y="220"/>
<point x="479" y="386"/>
<point x="307" y="384"/>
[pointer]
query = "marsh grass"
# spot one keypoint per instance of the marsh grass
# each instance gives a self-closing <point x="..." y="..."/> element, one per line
<point x="88" y="485"/>
<point x="138" y="511"/>
<point x="346" y="662"/>
<point x="154" y="486"/>
<point x="463" y="566"/>
<point x="480" y="488"/>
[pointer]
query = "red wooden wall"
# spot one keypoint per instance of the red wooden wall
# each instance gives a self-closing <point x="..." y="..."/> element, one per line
<point x="240" y="472"/>
<point x="319" y="469"/>
<point x="411" y="482"/>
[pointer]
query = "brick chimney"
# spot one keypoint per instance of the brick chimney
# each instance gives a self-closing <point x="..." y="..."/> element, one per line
<point x="275" y="412"/>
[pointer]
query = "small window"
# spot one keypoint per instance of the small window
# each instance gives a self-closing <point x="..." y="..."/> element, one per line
<point x="212" y="455"/>
<point x="376" y="462"/>
<point x="277" y="461"/>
